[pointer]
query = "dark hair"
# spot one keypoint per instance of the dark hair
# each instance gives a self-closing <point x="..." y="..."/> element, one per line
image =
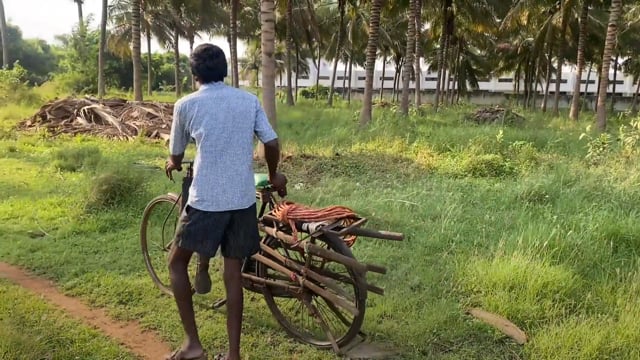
<point x="208" y="63"/>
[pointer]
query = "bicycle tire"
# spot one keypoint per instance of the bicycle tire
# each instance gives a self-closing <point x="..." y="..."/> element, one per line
<point x="166" y="209"/>
<point x="296" y="329"/>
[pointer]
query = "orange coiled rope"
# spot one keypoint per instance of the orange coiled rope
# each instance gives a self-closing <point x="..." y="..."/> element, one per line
<point x="289" y="212"/>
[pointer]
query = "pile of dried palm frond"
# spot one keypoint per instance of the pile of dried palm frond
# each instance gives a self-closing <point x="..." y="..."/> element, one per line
<point x="112" y="118"/>
<point x="495" y="115"/>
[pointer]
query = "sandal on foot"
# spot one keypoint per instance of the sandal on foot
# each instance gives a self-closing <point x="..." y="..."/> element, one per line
<point x="176" y="356"/>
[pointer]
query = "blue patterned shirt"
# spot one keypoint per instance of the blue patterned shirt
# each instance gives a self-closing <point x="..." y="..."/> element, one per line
<point x="223" y="121"/>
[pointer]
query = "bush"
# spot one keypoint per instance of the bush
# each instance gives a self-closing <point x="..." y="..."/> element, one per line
<point x="485" y="165"/>
<point x="114" y="188"/>
<point x="14" y="88"/>
<point x="310" y="92"/>
<point x="77" y="158"/>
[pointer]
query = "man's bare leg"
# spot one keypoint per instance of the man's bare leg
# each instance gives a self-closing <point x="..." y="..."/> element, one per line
<point x="233" y="285"/>
<point x="178" y="262"/>
<point x="202" y="283"/>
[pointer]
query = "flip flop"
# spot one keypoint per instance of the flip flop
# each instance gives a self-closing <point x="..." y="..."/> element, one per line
<point x="174" y="356"/>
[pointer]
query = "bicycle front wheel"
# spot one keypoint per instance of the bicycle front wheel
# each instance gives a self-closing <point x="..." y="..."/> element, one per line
<point x="159" y="221"/>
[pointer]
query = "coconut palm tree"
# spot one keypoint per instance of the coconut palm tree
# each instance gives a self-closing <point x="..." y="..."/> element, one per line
<point x="102" y="49"/>
<point x="372" y="51"/>
<point x="154" y="23"/>
<point x="340" y="36"/>
<point x="609" y="46"/>
<point x="408" y="61"/>
<point x="135" y="50"/>
<point x="582" y="35"/>
<point x="268" y="46"/>
<point x="80" y="16"/>
<point x="3" y="37"/>
<point x="418" y="52"/>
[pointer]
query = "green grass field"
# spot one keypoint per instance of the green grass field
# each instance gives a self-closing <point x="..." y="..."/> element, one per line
<point x="516" y="220"/>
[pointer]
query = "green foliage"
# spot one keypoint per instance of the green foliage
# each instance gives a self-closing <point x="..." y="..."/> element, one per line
<point x="114" y="188"/>
<point x="36" y="56"/>
<point x="321" y="91"/>
<point x="14" y="88"/>
<point x="492" y="218"/>
<point x="74" y="158"/>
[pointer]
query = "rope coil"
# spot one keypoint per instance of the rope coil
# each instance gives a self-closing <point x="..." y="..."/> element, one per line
<point x="289" y="212"/>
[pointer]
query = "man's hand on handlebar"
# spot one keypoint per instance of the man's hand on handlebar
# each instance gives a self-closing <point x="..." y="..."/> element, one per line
<point x="169" y="167"/>
<point x="279" y="183"/>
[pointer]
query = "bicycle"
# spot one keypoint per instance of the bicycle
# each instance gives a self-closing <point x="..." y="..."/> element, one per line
<point x="313" y="285"/>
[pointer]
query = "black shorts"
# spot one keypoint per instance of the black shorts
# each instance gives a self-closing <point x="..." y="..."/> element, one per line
<point x="234" y="231"/>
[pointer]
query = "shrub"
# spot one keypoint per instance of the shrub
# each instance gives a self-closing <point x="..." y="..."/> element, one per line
<point x="14" y="88"/>
<point x="485" y="165"/>
<point x="310" y="92"/>
<point x="77" y="158"/>
<point x="114" y="188"/>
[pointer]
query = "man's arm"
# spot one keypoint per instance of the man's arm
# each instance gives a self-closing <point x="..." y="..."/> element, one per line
<point x="177" y="142"/>
<point x="272" y="156"/>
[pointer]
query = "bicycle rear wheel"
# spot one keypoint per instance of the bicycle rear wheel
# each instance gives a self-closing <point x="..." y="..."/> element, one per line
<point x="296" y="317"/>
<point x="159" y="221"/>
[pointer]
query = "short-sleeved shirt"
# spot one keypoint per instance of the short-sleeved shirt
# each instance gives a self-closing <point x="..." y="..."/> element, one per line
<point x="223" y="121"/>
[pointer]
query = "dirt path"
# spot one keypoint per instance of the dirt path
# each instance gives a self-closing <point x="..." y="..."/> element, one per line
<point x="143" y="343"/>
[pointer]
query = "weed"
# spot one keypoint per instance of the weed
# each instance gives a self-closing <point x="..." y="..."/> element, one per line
<point x="114" y="188"/>
<point x="74" y="158"/>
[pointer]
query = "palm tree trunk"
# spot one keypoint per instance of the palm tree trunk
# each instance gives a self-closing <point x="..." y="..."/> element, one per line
<point x="456" y="72"/>
<point x="289" y="43"/>
<point x="445" y="70"/>
<point x="297" y="69"/>
<point x="341" y="5"/>
<point x="418" y="54"/>
<point x="268" y="39"/>
<point x="135" y="50"/>
<point x="80" y="16"/>
<point x="436" y="101"/>
<point x="408" y="64"/>
<point x="101" y="49"/>
<point x="634" y="104"/>
<point x="384" y="68"/>
<point x="561" y="45"/>
<point x="3" y="37"/>
<point x="318" y="73"/>
<point x="609" y="45"/>
<point x="396" y="80"/>
<point x="149" y="65"/>
<point x="372" y="50"/>
<point x="586" y="87"/>
<point x="582" y="36"/>
<point x="344" y="79"/>
<point x="350" y="74"/>
<point x="615" y="79"/>
<point x="598" y="72"/>
<point x="547" y="79"/>
<point x="176" y="59"/>
<point x="233" y="44"/>
<point x="192" y="40"/>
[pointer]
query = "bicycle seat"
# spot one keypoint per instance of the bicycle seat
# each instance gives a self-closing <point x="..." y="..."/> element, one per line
<point x="261" y="180"/>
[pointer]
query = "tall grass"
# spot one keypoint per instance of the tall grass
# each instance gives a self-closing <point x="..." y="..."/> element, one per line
<point x="515" y="220"/>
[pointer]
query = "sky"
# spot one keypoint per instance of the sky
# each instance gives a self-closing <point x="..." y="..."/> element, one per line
<point x="44" y="19"/>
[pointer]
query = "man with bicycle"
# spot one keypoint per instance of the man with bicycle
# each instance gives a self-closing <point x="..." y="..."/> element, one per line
<point x="220" y="210"/>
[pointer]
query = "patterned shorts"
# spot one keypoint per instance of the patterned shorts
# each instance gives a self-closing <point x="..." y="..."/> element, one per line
<point x="234" y="231"/>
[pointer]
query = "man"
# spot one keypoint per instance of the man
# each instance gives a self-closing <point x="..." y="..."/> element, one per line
<point x="220" y="210"/>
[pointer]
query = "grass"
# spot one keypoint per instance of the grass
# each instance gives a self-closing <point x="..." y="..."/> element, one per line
<point x="32" y="329"/>
<point x="512" y="219"/>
